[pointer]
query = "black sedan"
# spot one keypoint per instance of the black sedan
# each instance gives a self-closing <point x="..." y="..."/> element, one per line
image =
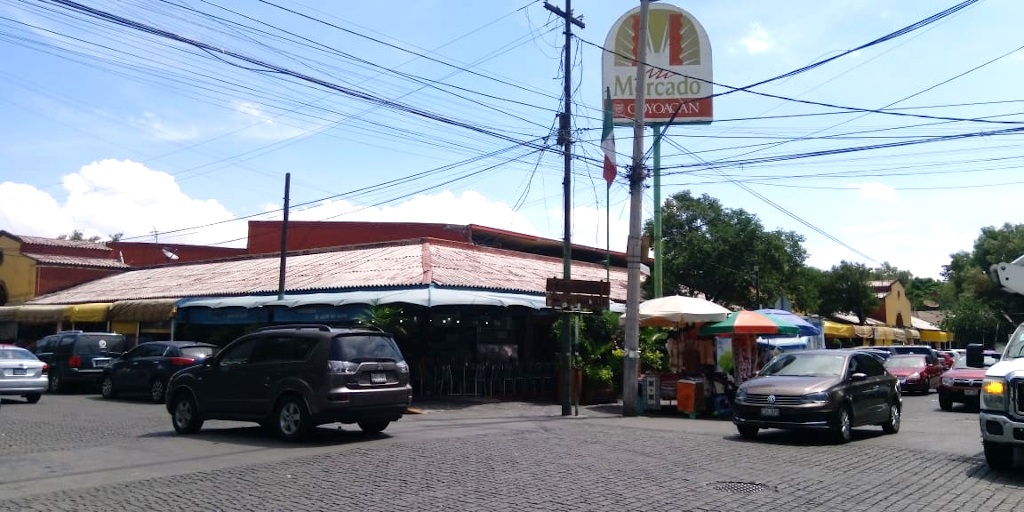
<point x="147" y="367"/>
<point x="829" y="390"/>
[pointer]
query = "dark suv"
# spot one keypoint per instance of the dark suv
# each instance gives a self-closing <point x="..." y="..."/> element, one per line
<point x="291" y="378"/>
<point x="77" y="357"/>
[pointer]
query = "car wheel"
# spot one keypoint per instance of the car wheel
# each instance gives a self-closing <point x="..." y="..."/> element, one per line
<point x="892" y="425"/>
<point x="107" y="387"/>
<point x="999" y="456"/>
<point x="945" y="403"/>
<point x="291" y="419"/>
<point x="157" y="390"/>
<point x="843" y="428"/>
<point x="373" y="426"/>
<point x="185" y="415"/>
<point x="33" y="397"/>
<point x="56" y="383"/>
<point x="747" y="432"/>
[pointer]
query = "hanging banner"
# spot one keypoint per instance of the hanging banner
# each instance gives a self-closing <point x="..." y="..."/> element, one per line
<point x="677" y="86"/>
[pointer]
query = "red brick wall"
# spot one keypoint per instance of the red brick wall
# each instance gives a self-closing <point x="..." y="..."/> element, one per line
<point x="139" y="254"/>
<point x="51" y="279"/>
<point x="265" y="236"/>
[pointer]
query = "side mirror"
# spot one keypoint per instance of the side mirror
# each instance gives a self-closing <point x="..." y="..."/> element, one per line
<point x="976" y="355"/>
<point x="858" y="376"/>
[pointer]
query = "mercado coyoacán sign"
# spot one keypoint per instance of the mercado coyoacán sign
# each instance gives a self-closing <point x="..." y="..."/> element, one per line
<point x="678" y="78"/>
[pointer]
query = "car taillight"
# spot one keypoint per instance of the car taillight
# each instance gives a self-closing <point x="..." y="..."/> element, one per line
<point x="46" y="367"/>
<point x="182" y="361"/>
<point x="75" y="361"/>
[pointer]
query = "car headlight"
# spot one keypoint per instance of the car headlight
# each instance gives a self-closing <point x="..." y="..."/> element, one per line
<point x="947" y="381"/>
<point x="914" y="376"/>
<point x="816" y="398"/>
<point x="741" y="395"/>
<point x="993" y="394"/>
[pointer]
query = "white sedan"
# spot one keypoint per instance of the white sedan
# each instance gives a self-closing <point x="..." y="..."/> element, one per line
<point x="22" y="373"/>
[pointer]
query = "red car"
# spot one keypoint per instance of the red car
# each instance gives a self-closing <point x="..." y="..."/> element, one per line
<point x="962" y="384"/>
<point x="914" y="372"/>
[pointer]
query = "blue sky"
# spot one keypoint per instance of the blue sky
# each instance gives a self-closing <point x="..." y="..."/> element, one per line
<point x="108" y="129"/>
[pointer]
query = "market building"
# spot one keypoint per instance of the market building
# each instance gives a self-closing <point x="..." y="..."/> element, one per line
<point x="463" y="305"/>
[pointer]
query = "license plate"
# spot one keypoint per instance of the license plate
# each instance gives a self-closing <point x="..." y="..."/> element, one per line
<point x="770" y="412"/>
<point x="970" y="392"/>
<point x="100" y="363"/>
<point x="20" y="371"/>
<point x="378" y="378"/>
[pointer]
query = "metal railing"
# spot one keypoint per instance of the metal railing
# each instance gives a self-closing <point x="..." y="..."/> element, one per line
<point x="520" y="381"/>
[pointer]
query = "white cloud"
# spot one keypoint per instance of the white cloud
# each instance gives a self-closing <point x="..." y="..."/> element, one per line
<point x="757" y="40"/>
<point x="160" y="130"/>
<point x="876" y="192"/>
<point x="263" y="125"/>
<point x="116" y="196"/>
<point x="121" y="196"/>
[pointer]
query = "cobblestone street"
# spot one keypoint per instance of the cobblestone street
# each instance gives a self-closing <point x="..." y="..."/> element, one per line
<point x="82" y="453"/>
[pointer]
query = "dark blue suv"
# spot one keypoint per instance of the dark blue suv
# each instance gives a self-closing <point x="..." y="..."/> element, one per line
<point x="147" y="367"/>
<point x="77" y="357"/>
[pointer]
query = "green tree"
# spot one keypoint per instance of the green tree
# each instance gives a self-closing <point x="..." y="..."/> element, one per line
<point x="725" y="254"/>
<point x="846" y="289"/>
<point x="78" y="235"/>
<point x="387" y="317"/>
<point x="116" y="237"/>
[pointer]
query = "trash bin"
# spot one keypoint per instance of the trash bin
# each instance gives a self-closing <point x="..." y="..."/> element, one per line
<point x="690" y="397"/>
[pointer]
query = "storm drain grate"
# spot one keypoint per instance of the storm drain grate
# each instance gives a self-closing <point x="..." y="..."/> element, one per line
<point x="739" y="487"/>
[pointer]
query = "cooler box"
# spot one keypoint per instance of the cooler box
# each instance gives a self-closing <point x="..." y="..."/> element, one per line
<point x="690" y="396"/>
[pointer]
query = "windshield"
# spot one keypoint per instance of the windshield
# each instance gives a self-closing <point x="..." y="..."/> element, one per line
<point x="806" y="365"/>
<point x="17" y="353"/>
<point x="197" y="352"/>
<point x="1015" y="348"/>
<point x="364" y="347"/>
<point x="961" y="362"/>
<point x="906" y="362"/>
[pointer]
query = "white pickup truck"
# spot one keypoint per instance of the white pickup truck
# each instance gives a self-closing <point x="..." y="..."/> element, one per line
<point x="1002" y="391"/>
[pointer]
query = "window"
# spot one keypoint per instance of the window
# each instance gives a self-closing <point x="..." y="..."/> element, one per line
<point x="95" y="344"/>
<point x="66" y="343"/>
<point x="151" y="350"/>
<point x="239" y="353"/>
<point x="193" y="352"/>
<point x="280" y="348"/>
<point x="869" y="366"/>
<point x="45" y="344"/>
<point x="357" y="348"/>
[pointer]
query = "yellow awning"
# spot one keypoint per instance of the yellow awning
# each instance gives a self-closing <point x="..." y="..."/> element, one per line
<point x="864" y="331"/>
<point x="883" y="334"/>
<point x="837" y="330"/>
<point x="40" y="314"/>
<point x="147" y="310"/>
<point x="92" y="312"/>
<point x="936" y="336"/>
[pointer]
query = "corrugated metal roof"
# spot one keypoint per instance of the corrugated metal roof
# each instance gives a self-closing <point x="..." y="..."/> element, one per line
<point x="56" y="242"/>
<point x="77" y="261"/>
<point x="403" y="263"/>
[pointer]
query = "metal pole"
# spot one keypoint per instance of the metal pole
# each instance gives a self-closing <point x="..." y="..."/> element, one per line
<point x="659" y="258"/>
<point x="284" y="237"/>
<point x="565" y="136"/>
<point x="636" y="190"/>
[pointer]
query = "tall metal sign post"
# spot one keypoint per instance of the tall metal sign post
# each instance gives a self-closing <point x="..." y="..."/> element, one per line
<point x="657" y="64"/>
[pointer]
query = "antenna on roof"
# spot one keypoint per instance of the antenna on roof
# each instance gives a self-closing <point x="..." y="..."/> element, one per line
<point x="169" y="254"/>
<point x="156" y="235"/>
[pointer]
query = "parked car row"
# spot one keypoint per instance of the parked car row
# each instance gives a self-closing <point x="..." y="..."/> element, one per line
<point x="835" y="390"/>
<point x="287" y="378"/>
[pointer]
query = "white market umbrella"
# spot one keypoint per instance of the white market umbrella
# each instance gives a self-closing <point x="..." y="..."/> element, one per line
<point x="677" y="310"/>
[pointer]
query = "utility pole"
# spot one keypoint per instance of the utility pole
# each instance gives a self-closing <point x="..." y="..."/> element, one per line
<point x="636" y="191"/>
<point x="565" y="139"/>
<point x="284" y="236"/>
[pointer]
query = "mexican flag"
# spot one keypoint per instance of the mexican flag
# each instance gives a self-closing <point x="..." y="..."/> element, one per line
<point x="608" y="139"/>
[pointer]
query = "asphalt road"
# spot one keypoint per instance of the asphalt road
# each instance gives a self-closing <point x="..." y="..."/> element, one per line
<point x="81" y="453"/>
